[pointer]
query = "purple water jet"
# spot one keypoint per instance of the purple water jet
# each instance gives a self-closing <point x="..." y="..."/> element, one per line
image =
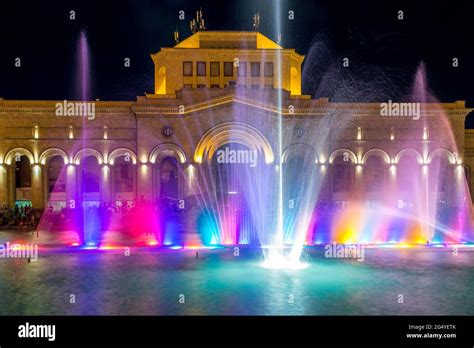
<point x="83" y="86"/>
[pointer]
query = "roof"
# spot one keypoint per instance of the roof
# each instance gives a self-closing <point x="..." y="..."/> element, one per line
<point x="228" y="39"/>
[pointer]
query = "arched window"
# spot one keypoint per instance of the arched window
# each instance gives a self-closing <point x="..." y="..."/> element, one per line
<point x="169" y="178"/>
<point x="90" y="174"/>
<point x="408" y="182"/>
<point x="374" y="174"/>
<point x="123" y="175"/>
<point x="342" y="175"/>
<point x="441" y="174"/>
<point x="56" y="175"/>
<point x="22" y="180"/>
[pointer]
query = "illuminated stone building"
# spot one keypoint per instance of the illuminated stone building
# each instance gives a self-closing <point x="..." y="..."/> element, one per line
<point x="212" y="89"/>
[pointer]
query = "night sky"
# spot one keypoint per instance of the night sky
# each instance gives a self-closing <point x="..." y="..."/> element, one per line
<point x="384" y="52"/>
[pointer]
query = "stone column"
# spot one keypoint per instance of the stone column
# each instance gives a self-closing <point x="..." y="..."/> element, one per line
<point x="359" y="182"/>
<point x="189" y="188"/>
<point x="135" y="181"/>
<point x="392" y="186"/>
<point x="425" y="208"/>
<point x="71" y="187"/>
<point x="3" y="185"/>
<point x="325" y="186"/>
<point x="190" y="179"/>
<point x="37" y="191"/>
<point x="112" y="184"/>
<point x="325" y="171"/>
<point x="144" y="181"/>
<point x="11" y="185"/>
<point x="104" y="185"/>
<point x="45" y="184"/>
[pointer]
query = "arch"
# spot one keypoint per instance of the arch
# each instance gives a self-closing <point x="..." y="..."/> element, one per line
<point x="167" y="149"/>
<point x="53" y="151"/>
<point x="293" y="147"/>
<point x="341" y="152"/>
<point x="235" y="132"/>
<point x="19" y="151"/>
<point x="406" y="152"/>
<point x="451" y="157"/>
<point x="161" y="80"/>
<point x="81" y="154"/>
<point x="122" y="151"/>
<point x="375" y="152"/>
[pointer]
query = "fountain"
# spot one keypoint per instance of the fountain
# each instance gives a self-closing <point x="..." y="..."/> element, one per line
<point x="278" y="201"/>
<point x="286" y="204"/>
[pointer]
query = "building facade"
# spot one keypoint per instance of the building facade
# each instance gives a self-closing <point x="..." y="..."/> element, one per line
<point x="214" y="89"/>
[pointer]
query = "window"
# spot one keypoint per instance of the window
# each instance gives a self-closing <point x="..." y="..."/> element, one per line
<point x="341" y="178"/>
<point x="228" y="69"/>
<point x="255" y="86"/>
<point x="57" y="176"/>
<point x="268" y="69"/>
<point x="201" y="86"/>
<point x="215" y="69"/>
<point x="242" y="69"/>
<point x="201" y="68"/>
<point x="255" y="69"/>
<point x="187" y="68"/>
<point x="123" y="176"/>
<point x="374" y="174"/>
<point x="214" y="86"/>
<point x="186" y="85"/>
<point x="90" y="175"/>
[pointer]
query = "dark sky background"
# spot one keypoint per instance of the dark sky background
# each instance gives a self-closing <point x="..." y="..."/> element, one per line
<point x="384" y="52"/>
